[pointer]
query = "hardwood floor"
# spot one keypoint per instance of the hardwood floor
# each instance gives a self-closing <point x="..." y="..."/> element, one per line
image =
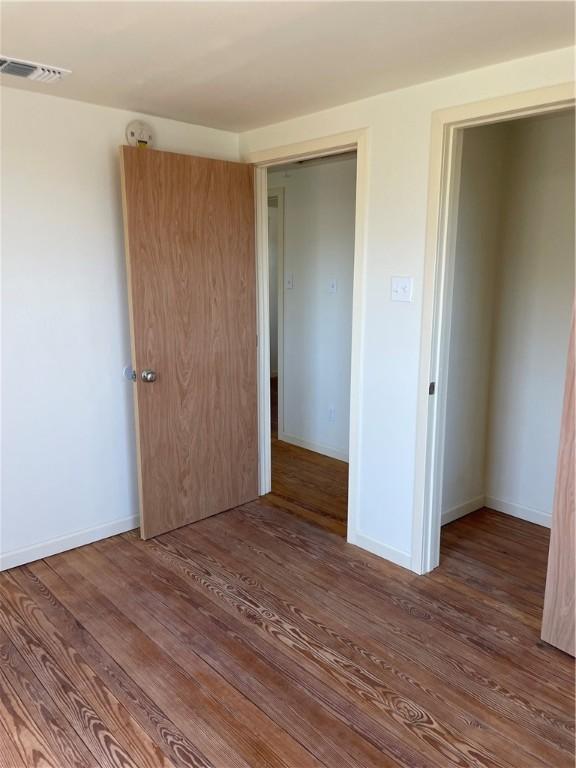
<point x="312" y="486"/>
<point x="307" y="484"/>
<point x="256" y="639"/>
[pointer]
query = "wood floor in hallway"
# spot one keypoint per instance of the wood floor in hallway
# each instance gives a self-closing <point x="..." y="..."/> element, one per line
<point x="308" y="484"/>
<point x="255" y="639"/>
<point x="312" y="486"/>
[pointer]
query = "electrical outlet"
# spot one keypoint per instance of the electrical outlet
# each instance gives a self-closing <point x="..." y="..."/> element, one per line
<point x="401" y="288"/>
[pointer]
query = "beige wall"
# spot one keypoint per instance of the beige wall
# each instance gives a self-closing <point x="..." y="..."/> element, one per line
<point x="534" y="298"/>
<point x="398" y="128"/>
<point x="477" y="249"/>
<point x="69" y="476"/>
<point x="513" y="297"/>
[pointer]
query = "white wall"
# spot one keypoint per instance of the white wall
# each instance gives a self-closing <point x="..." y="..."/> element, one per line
<point x="319" y="213"/>
<point x="68" y="473"/>
<point x="398" y="126"/>
<point x="67" y="411"/>
<point x="484" y="153"/>
<point x="534" y="299"/>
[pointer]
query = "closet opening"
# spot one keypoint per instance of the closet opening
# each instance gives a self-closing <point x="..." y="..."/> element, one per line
<point x="510" y="300"/>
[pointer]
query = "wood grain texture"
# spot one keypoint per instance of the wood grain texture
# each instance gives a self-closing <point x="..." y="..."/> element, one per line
<point x="110" y="734"/>
<point x="558" y="622"/>
<point x="310" y="485"/>
<point x="190" y="251"/>
<point x="9" y="754"/>
<point x="54" y="727"/>
<point x="255" y="639"/>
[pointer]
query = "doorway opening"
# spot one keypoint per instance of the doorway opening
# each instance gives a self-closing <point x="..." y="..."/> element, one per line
<point x="508" y="319"/>
<point x="311" y="240"/>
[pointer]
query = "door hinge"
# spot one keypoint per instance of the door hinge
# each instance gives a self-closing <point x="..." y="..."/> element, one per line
<point x="432" y="388"/>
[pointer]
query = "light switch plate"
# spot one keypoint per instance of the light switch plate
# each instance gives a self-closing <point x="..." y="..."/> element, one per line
<point x="401" y="288"/>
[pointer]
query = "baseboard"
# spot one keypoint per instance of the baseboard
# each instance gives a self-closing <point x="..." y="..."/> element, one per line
<point x="463" y="509"/>
<point x="316" y="447"/>
<point x="524" y="513"/>
<point x="63" y="543"/>
<point x="377" y="548"/>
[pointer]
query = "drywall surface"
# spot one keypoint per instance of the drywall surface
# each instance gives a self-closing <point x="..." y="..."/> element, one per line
<point x="319" y="213"/>
<point x="512" y="302"/>
<point x="484" y="154"/>
<point x="534" y="299"/>
<point x="68" y="472"/>
<point x="273" y="252"/>
<point x="398" y="127"/>
<point x="68" y="453"/>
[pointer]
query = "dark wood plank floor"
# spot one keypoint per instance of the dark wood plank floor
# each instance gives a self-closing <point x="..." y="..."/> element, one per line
<point x="255" y="639"/>
<point x="310" y="485"/>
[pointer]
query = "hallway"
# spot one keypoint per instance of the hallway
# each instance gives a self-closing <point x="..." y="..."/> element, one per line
<point x="308" y="484"/>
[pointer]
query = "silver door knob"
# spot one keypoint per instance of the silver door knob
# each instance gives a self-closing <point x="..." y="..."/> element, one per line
<point x="148" y="376"/>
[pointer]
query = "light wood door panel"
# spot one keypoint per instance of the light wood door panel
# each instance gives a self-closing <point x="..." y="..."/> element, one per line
<point x="190" y="251"/>
<point x="559" y="603"/>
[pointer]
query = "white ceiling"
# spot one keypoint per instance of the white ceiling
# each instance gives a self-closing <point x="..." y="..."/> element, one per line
<point x="239" y="65"/>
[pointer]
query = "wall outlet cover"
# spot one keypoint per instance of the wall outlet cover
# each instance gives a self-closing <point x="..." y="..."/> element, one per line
<point x="401" y="288"/>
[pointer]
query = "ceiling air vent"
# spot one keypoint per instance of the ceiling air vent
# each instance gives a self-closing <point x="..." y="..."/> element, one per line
<point x="31" y="70"/>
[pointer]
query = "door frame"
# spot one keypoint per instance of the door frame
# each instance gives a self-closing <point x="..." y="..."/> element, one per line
<point x="263" y="160"/>
<point x="443" y="188"/>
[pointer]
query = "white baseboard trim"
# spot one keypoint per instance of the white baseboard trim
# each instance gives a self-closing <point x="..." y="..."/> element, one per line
<point x="463" y="509"/>
<point x="524" y="513"/>
<point x="63" y="543"/>
<point x="377" y="548"/>
<point x="316" y="447"/>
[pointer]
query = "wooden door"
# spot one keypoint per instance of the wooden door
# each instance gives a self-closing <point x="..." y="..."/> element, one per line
<point x="559" y="603"/>
<point x="190" y="253"/>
